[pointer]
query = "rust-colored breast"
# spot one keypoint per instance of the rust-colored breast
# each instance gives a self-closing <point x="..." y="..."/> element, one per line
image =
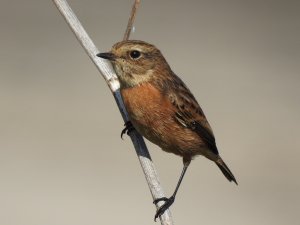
<point x="152" y="114"/>
<point x="145" y="105"/>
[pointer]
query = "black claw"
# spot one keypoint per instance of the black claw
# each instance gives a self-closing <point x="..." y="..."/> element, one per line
<point x="164" y="207"/>
<point x="160" y="199"/>
<point x="128" y="128"/>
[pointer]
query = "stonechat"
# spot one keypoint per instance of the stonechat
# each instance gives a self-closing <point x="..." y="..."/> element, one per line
<point x="162" y="108"/>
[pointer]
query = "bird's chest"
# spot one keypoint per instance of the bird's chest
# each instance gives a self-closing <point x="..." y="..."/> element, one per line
<point x="147" y="109"/>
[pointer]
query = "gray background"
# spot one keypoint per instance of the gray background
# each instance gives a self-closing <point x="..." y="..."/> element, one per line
<point x="62" y="161"/>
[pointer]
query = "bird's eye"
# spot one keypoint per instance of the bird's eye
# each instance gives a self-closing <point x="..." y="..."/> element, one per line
<point x="135" y="54"/>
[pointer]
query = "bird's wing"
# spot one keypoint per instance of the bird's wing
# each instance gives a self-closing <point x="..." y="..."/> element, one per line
<point x="188" y="113"/>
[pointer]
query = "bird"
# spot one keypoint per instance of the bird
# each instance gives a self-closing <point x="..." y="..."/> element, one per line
<point x="162" y="108"/>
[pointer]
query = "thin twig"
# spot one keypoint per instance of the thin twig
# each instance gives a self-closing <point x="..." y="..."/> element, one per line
<point x="131" y="20"/>
<point x="111" y="79"/>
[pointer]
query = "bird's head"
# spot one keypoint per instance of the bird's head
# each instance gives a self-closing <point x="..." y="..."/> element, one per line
<point x="136" y="62"/>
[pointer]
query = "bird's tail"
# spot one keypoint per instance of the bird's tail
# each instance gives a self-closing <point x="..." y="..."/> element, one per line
<point x="225" y="170"/>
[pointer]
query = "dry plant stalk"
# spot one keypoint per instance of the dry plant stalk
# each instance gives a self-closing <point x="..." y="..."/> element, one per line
<point x="131" y="20"/>
<point x="111" y="79"/>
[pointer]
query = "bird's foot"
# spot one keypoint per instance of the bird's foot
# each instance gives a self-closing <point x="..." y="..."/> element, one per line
<point x="128" y="128"/>
<point x="164" y="207"/>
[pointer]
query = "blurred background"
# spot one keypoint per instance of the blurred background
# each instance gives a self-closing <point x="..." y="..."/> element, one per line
<point x="62" y="161"/>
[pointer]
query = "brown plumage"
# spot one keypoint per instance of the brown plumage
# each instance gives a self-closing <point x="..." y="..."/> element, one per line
<point x="162" y="108"/>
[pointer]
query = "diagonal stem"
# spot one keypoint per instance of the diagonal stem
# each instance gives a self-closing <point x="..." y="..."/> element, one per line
<point x="110" y="77"/>
<point x="131" y="20"/>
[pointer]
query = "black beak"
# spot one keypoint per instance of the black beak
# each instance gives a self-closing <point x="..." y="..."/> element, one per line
<point x="107" y="55"/>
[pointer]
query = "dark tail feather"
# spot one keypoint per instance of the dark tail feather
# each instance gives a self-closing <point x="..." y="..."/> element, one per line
<point x="225" y="170"/>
